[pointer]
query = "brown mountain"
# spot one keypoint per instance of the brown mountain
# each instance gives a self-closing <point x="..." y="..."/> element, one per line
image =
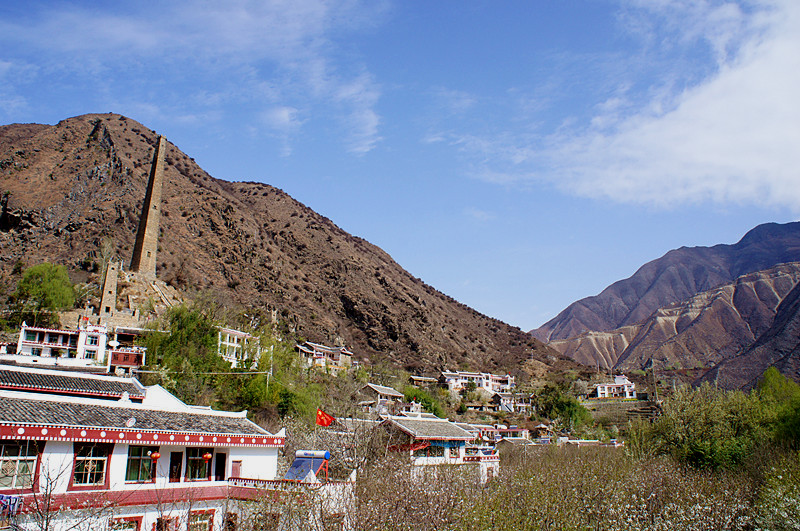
<point x="778" y="346"/>
<point x="675" y="277"/>
<point x="704" y="330"/>
<point x="70" y="188"/>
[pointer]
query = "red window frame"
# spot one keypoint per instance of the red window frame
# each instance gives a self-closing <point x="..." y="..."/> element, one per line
<point x="109" y="447"/>
<point x="207" y="512"/>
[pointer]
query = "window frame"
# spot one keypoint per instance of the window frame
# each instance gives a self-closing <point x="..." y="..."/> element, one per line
<point x="147" y="451"/>
<point x="192" y="463"/>
<point x="38" y="448"/>
<point x="209" y="519"/>
<point x="108" y="449"/>
<point x="126" y="520"/>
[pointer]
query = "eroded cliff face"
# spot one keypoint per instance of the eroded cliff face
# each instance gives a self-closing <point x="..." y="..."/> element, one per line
<point x="73" y="188"/>
<point x="778" y="346"/>
<point x="675" y="277"/>
<point x="700" y="332"/>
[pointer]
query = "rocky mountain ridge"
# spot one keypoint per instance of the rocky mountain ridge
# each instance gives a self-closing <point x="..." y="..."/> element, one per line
<point x="675" y="277"/>
<point x="701" y="332"/>
<point x="73" y="188"/>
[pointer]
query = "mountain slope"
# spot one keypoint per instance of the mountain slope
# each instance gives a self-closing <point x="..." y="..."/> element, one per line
<point x="72" y="188"/>
<point x="675" y="277"/>
<point x="778" y="346"/>
<point x="706" y="329"/>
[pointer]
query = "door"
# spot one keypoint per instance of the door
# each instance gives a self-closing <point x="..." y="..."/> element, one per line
<point x="175" y="466"/>
<point x="219" y="467"/>
<point x="236" y="469"/>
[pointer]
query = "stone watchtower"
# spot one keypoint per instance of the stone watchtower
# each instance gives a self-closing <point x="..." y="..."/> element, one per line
<point x="144" y="252"/>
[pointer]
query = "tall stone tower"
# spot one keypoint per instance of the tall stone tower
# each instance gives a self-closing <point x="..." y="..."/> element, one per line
<point x="144" y="252"/>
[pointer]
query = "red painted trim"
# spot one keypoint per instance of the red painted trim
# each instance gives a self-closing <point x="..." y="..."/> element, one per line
<point x="68" y="392"/>
<point x="35" y="483"/>
<point x="106" y="472"/>
<point x="133" y="436"/>
<point x="137" y="519"/>
<point x="209" y="512"/>
<point x="130" y="498"/>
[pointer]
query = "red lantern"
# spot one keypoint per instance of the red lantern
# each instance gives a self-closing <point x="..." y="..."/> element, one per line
<point x="154" y="456"/>
<point x="207" y="457"/>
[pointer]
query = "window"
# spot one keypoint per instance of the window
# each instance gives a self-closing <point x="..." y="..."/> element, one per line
<point x="196" y="466"/>
<point x="90" y="464"/>
<point x="89" y="355"/>
<point x="17" y="463"/>
<point x="30" y="336"/>
<point x="429" y="451"/>
<point x="201" y="521"/>
<point x="36" y="352"/>
<point x="131" y="523"/>
<point x="91" y="340"/>
<point x="166" y="523"/>
<point x="140" y="465"/>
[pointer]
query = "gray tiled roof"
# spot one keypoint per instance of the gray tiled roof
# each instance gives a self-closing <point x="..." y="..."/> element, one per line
<point x="430" y="429"/>
<point x="384" y="390"/>
<point x="25" y="411"/>
<point x="68" y="383"/>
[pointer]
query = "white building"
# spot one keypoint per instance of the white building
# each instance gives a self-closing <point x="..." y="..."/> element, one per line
<point x="238" y="348"/>
<point x="333" y="358"/>
<point x="429" y="440"/>
<point x="99" y="452"/>
<point x="491" y="383"/>
<point x="621" y="387"/>
<point x="88" y="346"/>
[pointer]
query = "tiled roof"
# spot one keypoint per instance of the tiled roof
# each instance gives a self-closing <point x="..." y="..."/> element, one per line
<point x="26" y="411"/>
<point x="68" y="383"/>
<point x="439" y="429"/>
<point x="384" y="390"/>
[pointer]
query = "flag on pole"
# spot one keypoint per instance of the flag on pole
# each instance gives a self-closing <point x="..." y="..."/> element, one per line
<point x="323" y="419"/>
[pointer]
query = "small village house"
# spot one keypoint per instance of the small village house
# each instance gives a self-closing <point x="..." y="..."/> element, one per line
<point x="621" y="387"/>
<point x="333" y="359"/>
<point x="490" y="383"/>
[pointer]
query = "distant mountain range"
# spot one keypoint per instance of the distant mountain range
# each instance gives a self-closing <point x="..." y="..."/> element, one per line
<point x="725" y="307"/>
<point x="69" y="189"/>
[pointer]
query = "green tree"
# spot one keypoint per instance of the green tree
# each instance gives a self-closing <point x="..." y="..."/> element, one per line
<point x="554" y="403"/>
<point x="43" y="290"/>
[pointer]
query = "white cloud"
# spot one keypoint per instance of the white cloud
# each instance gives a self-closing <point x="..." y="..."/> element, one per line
<point x="360" y="95"/>
<point x="282" y="118"/>
<point x="731" y="137"/>
<point x="241" y="52"/>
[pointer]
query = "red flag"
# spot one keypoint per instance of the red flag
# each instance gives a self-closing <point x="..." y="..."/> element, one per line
<point x="323" y="419"/>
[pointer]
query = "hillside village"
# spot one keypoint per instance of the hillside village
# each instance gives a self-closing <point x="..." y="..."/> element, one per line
<point x="89" y="438"/>
<point x="148" y="406"/>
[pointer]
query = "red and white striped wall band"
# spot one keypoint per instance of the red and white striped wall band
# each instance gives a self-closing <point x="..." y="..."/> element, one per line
<point x="132" y="436"/>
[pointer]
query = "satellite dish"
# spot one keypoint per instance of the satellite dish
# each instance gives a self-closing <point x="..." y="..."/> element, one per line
<point x="113" y="343"/>
<point x="130" y="422"/>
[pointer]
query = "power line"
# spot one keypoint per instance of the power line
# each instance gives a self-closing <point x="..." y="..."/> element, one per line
<point x="209" y="373"/>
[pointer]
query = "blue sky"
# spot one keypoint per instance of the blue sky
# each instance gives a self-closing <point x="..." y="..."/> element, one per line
<point x="515" y="155"/>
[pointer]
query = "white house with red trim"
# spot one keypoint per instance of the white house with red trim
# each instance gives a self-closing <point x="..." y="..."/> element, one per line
<point x="87" y="347"/>
<point x="429" y="440"/>
<point x="102" y="451"/>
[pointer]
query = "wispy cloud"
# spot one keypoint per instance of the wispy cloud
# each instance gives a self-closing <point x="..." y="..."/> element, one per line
<point x="478" y="214"/>
<point x="272" y="54"/>
<point x="730" y="136"/>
